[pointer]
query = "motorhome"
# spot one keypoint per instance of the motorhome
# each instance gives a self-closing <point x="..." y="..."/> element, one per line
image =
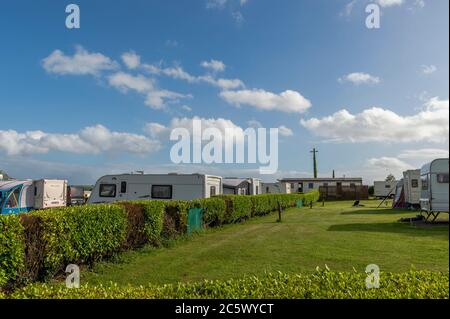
<point x="383" y="189"/>
<point x="112" y="188"/>
<point x="23" y="196"/>
<point x="412" y="188"/>
<point x="434" y="197"/>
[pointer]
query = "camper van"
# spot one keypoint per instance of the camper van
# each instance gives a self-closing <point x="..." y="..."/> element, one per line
<point x="383" y="189"/>
<point x="412" y="188"/>
<point x="23" y="196"/>
<point x="112" y="188"/>
<point x="434" y="195"/>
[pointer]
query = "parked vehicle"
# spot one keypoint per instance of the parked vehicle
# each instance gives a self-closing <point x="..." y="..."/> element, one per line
<point x="23" y="196"/>
<point x="434" y="197"/>
<point x="383" y="189"/>
<point x="412" y="188"/>
<point x="75" y="195"/>
<point x="242" y="186"/>
<point x="112" y="188"/>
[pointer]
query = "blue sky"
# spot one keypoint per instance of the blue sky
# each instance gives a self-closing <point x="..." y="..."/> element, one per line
<point x="71" y="107"/>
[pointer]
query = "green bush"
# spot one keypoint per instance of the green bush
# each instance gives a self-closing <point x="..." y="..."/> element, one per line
<point x="175" y="218"/>
<point x="319" y="285"/>
<point x="238" y="208"/>
<point x="12" y="249"/>
<point x="38" y="245"/>
<point x="80" y="234"/>
<point x="263" y="205"/>
<point x="154" y="212"/>
<point x="213" y="210"/>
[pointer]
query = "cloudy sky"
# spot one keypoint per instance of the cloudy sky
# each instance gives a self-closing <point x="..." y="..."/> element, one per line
<point x="82" y="103"/>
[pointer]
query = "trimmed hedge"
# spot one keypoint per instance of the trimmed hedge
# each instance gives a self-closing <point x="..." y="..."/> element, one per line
<point x="12" y="249"/>
<point x="40" y="244"/>
<point x="214" y="210"/>
<point x="78" y="234"/>
<point x="319" y="285"/>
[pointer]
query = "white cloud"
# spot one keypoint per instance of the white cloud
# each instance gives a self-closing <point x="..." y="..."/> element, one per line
<point x="216" y="4"/>
<point x="157" y="130"/>
<point x="214" y="65"/>
<point x="390" y="163"/>
<point x="287" y="101"/>
<point x="179" y="73"/>
<point x="285" y="131"/>
<point x="359" y="78"/>
<point x="429" y="69"/>
<point x="90" y="140"/>
<point x="423" y="155"/>
<point x="81" y="63"/>
<point x="430" y="124"/>
<point x="131" y="60"/>
<point x="155" y="98"/>
<point x="186" y="108"/>
<point x="389" y="3"/>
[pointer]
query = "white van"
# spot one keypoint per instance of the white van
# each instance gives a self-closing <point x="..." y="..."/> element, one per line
<point x="112" y="188"/>
<point x="435" y="192"/>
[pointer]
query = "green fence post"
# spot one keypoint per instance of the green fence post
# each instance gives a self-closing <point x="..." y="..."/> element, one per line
<point x="195" y="220"/>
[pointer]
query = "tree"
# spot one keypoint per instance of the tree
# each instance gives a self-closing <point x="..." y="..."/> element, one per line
<point x="390" y="178"/>
<point x="334" y="175"/>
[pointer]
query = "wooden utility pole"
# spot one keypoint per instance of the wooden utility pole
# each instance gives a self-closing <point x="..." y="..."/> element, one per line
<point x="314" y="151"/>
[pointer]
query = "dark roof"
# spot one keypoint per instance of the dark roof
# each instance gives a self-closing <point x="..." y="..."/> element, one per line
<point x="233" y="182"/>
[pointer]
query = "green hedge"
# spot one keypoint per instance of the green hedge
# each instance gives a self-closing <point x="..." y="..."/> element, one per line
<point x="319" y="285"/>
<point x="78" y="234"/>
<point x="214" y="210"/>
<point x="238" y="208"/>
<point x="12" y="249"/>
<point x="40" y="244"/>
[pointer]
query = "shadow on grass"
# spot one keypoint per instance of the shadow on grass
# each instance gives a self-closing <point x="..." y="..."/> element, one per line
<point x="438" y="230"/>
<point x="380" y="211"/>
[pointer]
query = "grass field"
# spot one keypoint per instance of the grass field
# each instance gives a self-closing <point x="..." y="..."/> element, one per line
<point x="337" y="235"/>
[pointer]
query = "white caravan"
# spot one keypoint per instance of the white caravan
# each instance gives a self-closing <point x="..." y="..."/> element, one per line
<point x="435" y="191"/>
<point x="112" y="188"/>
<point x="412" y="187"/>
<point x="256" y="186"/>
<point x="49" y="193"/>
<point x="23" y="196"/>
<point x="384" y="189"/>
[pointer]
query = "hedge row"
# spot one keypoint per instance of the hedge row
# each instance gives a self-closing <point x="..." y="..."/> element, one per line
<point x="40" y="244"/>
<point x="319" y="285"/>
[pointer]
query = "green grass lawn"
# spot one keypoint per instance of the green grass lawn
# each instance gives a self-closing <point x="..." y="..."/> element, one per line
<point x="341" y="237"/>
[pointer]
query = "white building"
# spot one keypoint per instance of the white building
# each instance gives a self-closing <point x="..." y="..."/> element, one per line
<point x="304" y="185"/>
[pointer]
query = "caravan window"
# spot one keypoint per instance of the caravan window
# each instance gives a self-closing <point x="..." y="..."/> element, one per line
<point x="442" y="178"/>
<point x="212" y="191"/>
<point x="414" y="183"/>
<point x="13" y="199"/>
<point x="162" y="191"/>
<point x="123" y="187"/>
<point x="107" y="190"/>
